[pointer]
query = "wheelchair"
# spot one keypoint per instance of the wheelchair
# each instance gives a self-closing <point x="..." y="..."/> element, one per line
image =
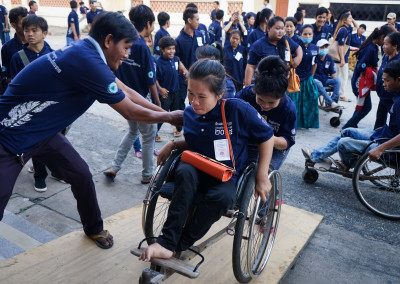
<point x="334" y="121"/>
<point x="375" y="183"/>
<point x="253" y="225"/>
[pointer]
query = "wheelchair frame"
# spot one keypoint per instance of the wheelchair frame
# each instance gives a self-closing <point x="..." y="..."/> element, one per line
<point x="254" y="233"/>
<point x="334" y="121"/>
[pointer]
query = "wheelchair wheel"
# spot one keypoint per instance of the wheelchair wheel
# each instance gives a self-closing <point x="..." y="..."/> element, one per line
<point x="334" y="121"/>
<point x="310" y="175"/>
<point x="157" y="201"/>
<point x="255" y="230"/>
<point x="377" y="184"/>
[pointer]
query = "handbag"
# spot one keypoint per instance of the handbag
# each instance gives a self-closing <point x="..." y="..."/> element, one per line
<point x="294" y="79"/>
<point x="210" y="166"/>
<point x="333" y="49"/>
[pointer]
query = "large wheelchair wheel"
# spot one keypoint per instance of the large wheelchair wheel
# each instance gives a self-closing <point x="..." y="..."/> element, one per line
<point x="158" y="199"/>
<point x="256" y="228"/>
<point x="377" y="184"/>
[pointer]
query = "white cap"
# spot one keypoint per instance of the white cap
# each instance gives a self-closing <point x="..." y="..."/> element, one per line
<point x="322" y="42"/>
<point x="391" y="16"/>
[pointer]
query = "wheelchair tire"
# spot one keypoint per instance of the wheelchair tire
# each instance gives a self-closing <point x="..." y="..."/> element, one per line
<point x="334" y="121"/>
<point x="310" y="175"/>
<point x="155" y="206"/>
<point x="377" y="184"/>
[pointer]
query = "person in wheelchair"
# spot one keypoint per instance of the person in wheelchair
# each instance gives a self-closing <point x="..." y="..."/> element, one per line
<point x="354" y="141"/>
<point x="203" y="133"/>
<point x="325" y="74"/>
<point x="268" y="96"/>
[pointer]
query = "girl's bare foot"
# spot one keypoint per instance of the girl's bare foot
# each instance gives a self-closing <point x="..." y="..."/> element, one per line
<point x="155" y="250"/>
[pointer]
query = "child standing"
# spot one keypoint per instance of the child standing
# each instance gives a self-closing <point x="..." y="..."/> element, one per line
<point x="235" y="59"/>
<point x="163" y="21"/>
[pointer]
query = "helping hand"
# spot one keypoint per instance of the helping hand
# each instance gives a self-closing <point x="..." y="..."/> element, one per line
<point x="263" y="188"/>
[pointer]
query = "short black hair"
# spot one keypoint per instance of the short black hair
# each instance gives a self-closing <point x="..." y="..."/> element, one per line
<point x="219" y="14"/>
<point x="363" y="26"/>
<point x="291" y="19"/>
<point x="31" y="3"/>
<point x="81" y="3"/>
<point x="73" y="4"/>
<point x="33" y="20"/>
<point x="162" y="18"/>
<point x="17" y="12"/>
<point x="393" y="69"/>
<point x="298" y="16"/>
<point x="300" y="8"/>
<point x="115" y="24"/>
<point x="321" y="10"/>
<point x="189" y="14"/>
<point x="140" y="15"/>
<point x="191" y="5"/>
<point x="166" y="41"/>
<point x="216" y="2"/>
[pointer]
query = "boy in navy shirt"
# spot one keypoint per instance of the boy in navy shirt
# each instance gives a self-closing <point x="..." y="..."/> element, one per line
<point x="391" y="22"/>
<point x="83" y="9"/>
<point x="215" y="29"/>
<point x="92" y="13"/>
<point x="4" y="28"/>
<point x="73" y="24"/>
<point x="187" y="42"/>
<point x="214" y="12"/>
<point x="325" y="74"/>
<point x="33" y="7"/>
<point x="321" y="31"/>
<point x="202" y="28"/>
<point x="358" y="38"/>
<point x="139" y="73"/>
<point x="163" y="21"/>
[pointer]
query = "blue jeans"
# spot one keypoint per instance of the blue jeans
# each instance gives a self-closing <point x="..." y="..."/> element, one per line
<point x="4" y="37"/>
<point x="336" y="87"/>
<point x="277" y="159"/>
<point x="137" y="146"/>
<point x="70" y="40"/>
<point x="351" y="140"/>
<point x="359" y="114"/>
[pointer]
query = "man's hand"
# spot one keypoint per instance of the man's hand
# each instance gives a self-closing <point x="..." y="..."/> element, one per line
<point x="263" y="187"/>
<point x="342" y="62"/>
<point x="176" y="118"/>
<point x="164" y="93"/>
<point x="164" y="153"/>
<point x="375" y="154"/>
<point x="76" y="38"/>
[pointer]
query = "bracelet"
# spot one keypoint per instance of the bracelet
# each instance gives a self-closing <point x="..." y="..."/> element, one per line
<point x="174" y="143"/>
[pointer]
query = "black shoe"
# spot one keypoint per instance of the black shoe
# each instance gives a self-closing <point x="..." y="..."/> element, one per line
<point x="40" y="186"/>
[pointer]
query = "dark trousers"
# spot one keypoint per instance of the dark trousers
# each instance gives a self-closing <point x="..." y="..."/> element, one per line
<point x="214" y="199"/>
<point x="382" y="112"/>
<point x="166" y="103"/>
<point x="62" y="159"/>
<point x="359" y="114"/>
<point x="178" y="101"/>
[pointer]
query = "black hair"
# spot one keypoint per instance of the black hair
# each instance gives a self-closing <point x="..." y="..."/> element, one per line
<point x="73" y="4"/>
<point x="332" y="20"/>
<point x="213" y="51"/>
<point x="210" y="72"/>
<point x="236" y="32"/>
<point x="300" y="8"/>
<point x="378" y="32"/>
<point x="306" y="27"/>
<point x="162" y="18"/>
<point x="166" y="41"/>
<point x="35" y="21"/>
<point x="394" y="39"/>
<point x="363" y="26"/>
<point x="191" y="5"/>
<point x="261" y="16"/>
<point x="393" y="69"/>
<point x="189" y="14"/>
<point x="219" y="14"/>
<point x="15" y="13"/>
<point x="216" y="2"/>
<point x="140" y="15"/>
<point x="31" y="3"/>
<point x="115" y="24"/>
<point x="271" y="76"/>
<point x="249" y="15"/>
<point x="321" y="10"/>
<point x="81" y="3"/>
<point x="293" y="20"/>
<point x="298" y="16"/>
<point x="282" y="42"/>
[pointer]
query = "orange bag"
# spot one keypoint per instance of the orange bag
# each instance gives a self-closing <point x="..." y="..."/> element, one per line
<point x="210" y="166"/>
<point x="294" y="79"/>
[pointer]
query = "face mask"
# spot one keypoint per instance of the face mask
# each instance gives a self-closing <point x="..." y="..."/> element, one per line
<point x="306" y="40"/>
<point x="323" y="52"/>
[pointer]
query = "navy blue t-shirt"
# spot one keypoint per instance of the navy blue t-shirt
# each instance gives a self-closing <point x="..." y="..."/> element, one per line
<point x="299" y="28"/>
<point x="203" y="30"/>
<point x="45" y="97"/>
<point x="159" y="34"/>
<point x="384" y="95"/>
<point x="167" y="73"/>
<point x="396" y="26"/>
<point x="230" y="89"/>
<point x="213" y="14"/>
<point x="393" y="129"/>
<point x="3" y="12"/>
<point x="90" y="15"/>
<point x="322" y="34"/>
<point x="304" y="70"/>
<point x="325" y="68"/>
<point x="215" y="32"/>
<point x="228" y="34"/>
<point x="17" y="65"/>
<point x="255" y="35"/>
<point x="138" y="72"/>
<point x="249" y="30"/>
<point x="7" y="51"/>
<point x="83" y="10"/>
<point x="341" y="37"/>
<point x="235" y="62"/>
<point x="74" y="19"/>
<point x="282" y="118"/>
<point x="356" y="41"/>
<point x="330" y="29"/>
<point x="245" y="126"/>
<point x="262" y="48"/>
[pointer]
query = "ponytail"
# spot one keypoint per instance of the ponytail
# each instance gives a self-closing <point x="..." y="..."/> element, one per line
<point x="378" y="32"/>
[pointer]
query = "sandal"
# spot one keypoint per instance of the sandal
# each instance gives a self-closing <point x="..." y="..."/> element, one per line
<point x="177" y="133"/>
<point x="339" y="164"/>
<point x="156" y="151"/>
<point x="96" y="238"/>
<point x="110" y="174"/>
<point x="138" y="154"/>
<point x="158" y="138"/>
<point x="345" y="99"/>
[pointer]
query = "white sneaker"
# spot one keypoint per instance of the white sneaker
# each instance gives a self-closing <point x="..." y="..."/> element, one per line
<point x="334" y="105"/>
<point x="324" y="165"/>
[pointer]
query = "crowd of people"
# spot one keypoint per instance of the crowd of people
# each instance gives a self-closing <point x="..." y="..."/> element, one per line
<point x="250" y="61"/>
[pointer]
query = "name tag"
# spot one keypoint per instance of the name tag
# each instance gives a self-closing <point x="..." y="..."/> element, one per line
<point x="245" y="33"/>
<point x="176" y="65"/>
<point x="327" y="64"/>
<point x="199" y="41"/>
<point x="238" y="56"/>
<point x="221" y="149"/>
<point x="314" y="52"/>
<point x="287" y="56"/>
<point x="313" y="61"/>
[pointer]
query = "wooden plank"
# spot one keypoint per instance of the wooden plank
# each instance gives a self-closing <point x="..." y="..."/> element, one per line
<point x="74" y="258"/>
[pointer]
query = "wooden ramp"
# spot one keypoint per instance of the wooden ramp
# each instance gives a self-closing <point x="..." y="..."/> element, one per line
<point x="74" y="258"/>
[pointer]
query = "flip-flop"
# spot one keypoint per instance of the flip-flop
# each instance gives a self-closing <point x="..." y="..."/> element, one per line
<point x="96" y="237"/>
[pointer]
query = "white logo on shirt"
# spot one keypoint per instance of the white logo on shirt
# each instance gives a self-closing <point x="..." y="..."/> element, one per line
<point x="22" y="113"/>
<point x="112" y="88"/>
<point x="151" y="74"/>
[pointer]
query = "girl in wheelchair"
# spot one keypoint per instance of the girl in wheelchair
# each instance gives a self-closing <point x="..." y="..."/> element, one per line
<point x="204" y="132"/>
<point x="354" y="140"/>
<point x="268" y="96"/>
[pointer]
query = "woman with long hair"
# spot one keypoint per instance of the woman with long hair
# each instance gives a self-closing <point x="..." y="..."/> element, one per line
<point x="260" y="26"/>
<point x="330" y="21"/>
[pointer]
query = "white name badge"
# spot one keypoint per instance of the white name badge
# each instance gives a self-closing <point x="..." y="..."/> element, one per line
<point x="176" y="65"/>
<point x="238" y="56"/>
<point x="245" y="33"/>
<point x="287" y="56"/>
<point x="327" y="64"/>
<point x="221" y="149"/>
<point x="199" y="41"/>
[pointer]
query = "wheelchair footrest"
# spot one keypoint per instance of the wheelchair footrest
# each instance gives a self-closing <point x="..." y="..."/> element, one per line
<point x="173" y="263"/>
